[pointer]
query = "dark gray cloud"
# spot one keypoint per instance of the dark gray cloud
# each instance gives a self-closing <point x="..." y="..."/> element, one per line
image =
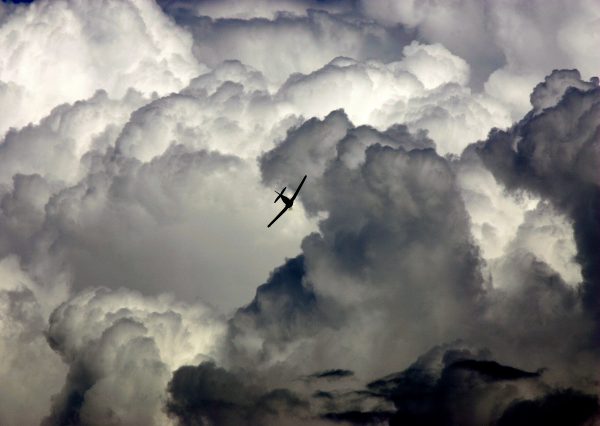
<point x="561" y="407"/>
<point x="468" y="389"/>
<point x="210" y="395"/>
<point x="447" y="385"/>
<point x="337" y="373"/>
<point x="555" y="153"/>
<point x="394" y="243"/>
<point x="312" y="147"/>
<point x="491" y="370"/>
<point x="284" y="309"/>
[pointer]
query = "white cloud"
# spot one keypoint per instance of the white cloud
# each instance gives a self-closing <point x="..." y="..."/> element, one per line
<point x="54" y="148"/>
<point x="121" y="348"/>
<point x="549" y="236"/>
<point x="434" y="65"/>
<point x="402" y="92"/>
<point x="62" y="51"/>
<point x="504" y="224"/>
<point x="510" y="46"/>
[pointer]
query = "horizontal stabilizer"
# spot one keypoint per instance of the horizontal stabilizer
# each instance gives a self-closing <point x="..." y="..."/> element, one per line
<point x="279" y="194"/>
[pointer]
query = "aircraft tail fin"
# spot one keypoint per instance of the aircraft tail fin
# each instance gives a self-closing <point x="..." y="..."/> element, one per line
<point x="279" y="194"/>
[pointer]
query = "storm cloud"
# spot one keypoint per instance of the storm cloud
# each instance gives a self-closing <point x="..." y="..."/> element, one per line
<point x="440" y="265"/>
<point x="555" y="153"/>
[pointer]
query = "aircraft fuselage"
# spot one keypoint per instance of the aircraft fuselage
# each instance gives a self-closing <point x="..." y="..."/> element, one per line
<point x="288" y="203"/>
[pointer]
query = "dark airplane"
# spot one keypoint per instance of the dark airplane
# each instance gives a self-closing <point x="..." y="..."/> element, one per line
<point x="289" y="202"/>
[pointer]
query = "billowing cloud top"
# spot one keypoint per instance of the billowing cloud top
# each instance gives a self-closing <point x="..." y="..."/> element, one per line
<point x="440" y="265"/>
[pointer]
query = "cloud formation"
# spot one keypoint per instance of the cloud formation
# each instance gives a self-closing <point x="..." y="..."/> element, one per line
<point x="511" y="45"/>
<point x="555" y="154"/>
<point x="439" y="266"/>
<point x="80" y="48"/>
<point x="121" y="348"/>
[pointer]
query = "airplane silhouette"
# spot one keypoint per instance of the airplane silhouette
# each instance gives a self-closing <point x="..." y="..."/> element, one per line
<point x="289" y="202"/>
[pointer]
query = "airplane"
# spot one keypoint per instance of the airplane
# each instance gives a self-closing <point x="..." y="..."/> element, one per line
<point x="289" y="202"/>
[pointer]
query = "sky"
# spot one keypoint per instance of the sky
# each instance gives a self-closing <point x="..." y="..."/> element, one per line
<point x="440" y="265"/>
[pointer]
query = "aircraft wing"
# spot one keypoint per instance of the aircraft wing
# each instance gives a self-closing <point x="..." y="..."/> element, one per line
<point x="298" y="189"/>
<point x="278" y="216"/>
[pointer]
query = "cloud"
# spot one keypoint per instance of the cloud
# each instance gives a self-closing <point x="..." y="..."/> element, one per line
<point x="268" y="9"/>
<point x="137" y="161"/>
<point x="455" y="385"/>
<point x="229" y="110"/>
<point x="442" y="23"/>
<point x="547" y="27"/>
<point x="120" y="348"/>
<point x="449" y="384"/>
<point x="379" y="63"/>
<point x="66" y="188"/>
<point x="383" y="202"/>
<point x="157" y="229"/>
<point x="337" y="373"/>
<point x="510" y="46"/>
<point x="376" y="189"/>
<point x="549" y="93"/>
<point x="554" y="154"/>
<point x="406" y="91"/>
<point x="296" y="43"/>
<point x="560" y="407"/>
<point x="80" y="48"/>
<point x="434" y="65"/>
<point x="54" y="148"/>
<point x="29" y="370"/>
<point x="207" y="394"/>
<point x="495" y="215"/>
<point x="549" y="235"/>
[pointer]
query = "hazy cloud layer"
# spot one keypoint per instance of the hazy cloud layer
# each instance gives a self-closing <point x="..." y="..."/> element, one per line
<point x="439" y="266"/>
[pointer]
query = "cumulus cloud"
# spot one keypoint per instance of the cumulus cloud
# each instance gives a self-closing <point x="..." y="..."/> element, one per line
<point x="120" y="155"/>
<point x="383" y="202"/>
<point x="207" y="394"/>
<point x="120" y="348"/>
<point x="449" y="384"/>
<point x="555" y="154"/>
<point x="437" y="22"/>
<point x="54" y="147"/>
<point x="384" y="244"/>
<point x="80" y="48"/>
<point x="30" y="371"/>
<point x="424" y="90"/>
<point x="510" y="46"/>
<point x="75" y="182"/>
<point x="295" y="43"/>
<point x="457" y="385"/>
<point x="134" y="178"/>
